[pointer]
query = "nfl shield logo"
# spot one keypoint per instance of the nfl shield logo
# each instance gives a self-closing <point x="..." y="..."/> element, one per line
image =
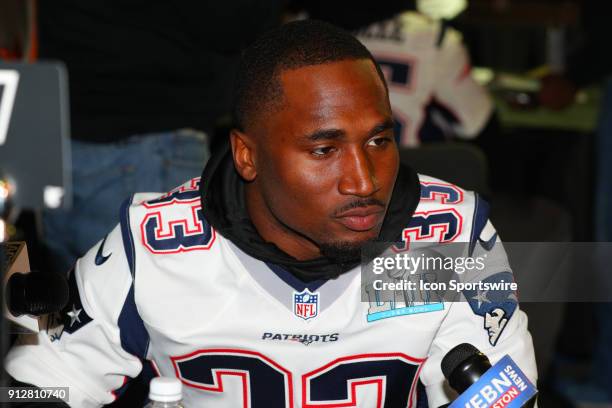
<point x="306" y="304"/>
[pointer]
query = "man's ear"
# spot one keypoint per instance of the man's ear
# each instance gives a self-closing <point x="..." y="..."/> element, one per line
<point x="243" y="153"/>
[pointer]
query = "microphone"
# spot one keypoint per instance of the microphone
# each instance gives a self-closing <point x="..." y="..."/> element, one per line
<point x="36" y="293"/>
<point x="463" y="366"/>
<point x="480" y="385"/>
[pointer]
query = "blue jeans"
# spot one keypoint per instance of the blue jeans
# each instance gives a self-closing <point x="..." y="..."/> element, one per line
<point x="106" y="174"/>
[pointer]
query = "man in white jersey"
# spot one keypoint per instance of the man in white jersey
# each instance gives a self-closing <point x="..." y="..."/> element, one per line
<point x="428" y="71"/>
<point x="245" y="283"/>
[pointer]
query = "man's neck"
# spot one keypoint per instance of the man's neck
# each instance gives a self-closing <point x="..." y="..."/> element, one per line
<point x="271" y="229"/>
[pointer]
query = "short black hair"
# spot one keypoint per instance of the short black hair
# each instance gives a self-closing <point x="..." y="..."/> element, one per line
<point x="290" y="46"/>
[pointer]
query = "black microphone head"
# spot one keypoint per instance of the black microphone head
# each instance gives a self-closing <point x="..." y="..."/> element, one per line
<point x="463" y="366"/>
<point x="456" y="356"/>
<point x="36" y="293"/>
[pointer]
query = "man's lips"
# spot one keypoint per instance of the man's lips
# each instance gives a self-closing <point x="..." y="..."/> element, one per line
<point x="361" y="218"/>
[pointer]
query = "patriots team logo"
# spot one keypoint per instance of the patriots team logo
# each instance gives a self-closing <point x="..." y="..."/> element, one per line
<point x="306" y="304"/>
<point x="495" y="306"/>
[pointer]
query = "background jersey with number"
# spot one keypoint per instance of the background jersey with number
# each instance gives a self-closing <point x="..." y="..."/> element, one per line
<point x="166" y="287"/>
<point x="427" y="65"/>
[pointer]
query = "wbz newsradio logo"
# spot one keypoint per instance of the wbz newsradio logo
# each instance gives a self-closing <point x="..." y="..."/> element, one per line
<point x="503" y="386"/>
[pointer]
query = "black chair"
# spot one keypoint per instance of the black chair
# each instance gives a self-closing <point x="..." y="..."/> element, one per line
<point x="459" y="163"/>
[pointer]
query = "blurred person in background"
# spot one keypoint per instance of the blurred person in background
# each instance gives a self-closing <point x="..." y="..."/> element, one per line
<point x="427" y="66"/>
<point x="148" y="82"/>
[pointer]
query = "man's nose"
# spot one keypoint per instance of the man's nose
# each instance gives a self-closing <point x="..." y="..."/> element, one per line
<point x="358" y="175"/>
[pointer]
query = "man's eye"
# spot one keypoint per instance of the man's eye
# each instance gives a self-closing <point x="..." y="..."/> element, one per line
<point x="322" y="151"/>
<point x="379" y="141"/>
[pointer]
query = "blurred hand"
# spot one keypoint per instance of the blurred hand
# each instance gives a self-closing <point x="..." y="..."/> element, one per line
<point x="557" y="92"/>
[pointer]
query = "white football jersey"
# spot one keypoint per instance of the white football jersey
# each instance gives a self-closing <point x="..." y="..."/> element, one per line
<point x="423" y="64"/>
<point x="164" y="286"/>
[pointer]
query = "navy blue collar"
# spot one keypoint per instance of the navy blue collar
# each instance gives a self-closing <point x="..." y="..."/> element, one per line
<point x="293" y="281"/>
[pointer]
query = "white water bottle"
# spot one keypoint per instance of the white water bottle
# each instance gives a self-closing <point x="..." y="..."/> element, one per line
<point x="165" y="392"/>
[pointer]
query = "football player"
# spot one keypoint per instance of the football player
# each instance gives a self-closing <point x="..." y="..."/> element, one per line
<point x="428" y="70"/>
<point x="245" y="283"/>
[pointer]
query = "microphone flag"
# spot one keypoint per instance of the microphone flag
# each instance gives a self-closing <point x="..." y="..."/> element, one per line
<point x="504" y="385"/>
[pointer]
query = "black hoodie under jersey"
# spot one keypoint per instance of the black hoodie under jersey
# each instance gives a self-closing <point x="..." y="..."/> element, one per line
<point x="223" y="203"/>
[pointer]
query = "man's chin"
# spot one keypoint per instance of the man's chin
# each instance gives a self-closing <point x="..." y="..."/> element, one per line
<point x="346" y="251"/>
<point x="341" y="252"/>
